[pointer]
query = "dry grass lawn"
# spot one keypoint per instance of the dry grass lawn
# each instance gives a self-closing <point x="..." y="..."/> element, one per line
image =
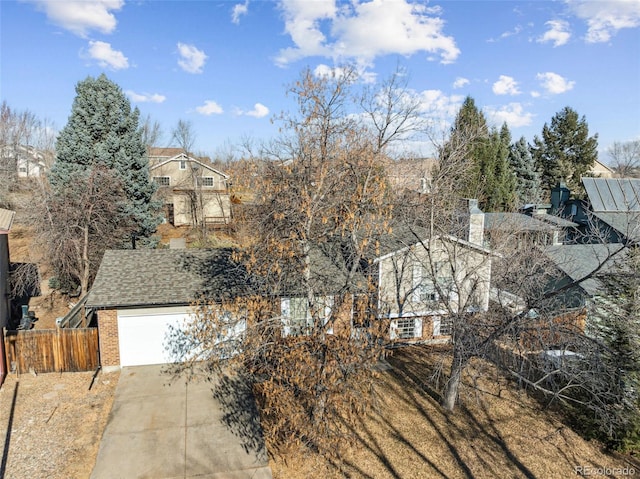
<point x="496" y="432"/>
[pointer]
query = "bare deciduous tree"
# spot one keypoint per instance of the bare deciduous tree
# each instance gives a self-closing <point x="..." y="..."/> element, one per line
<point x="77" y="224"/>
<point x="625" y="157"/>
<point x="311" y="337"/>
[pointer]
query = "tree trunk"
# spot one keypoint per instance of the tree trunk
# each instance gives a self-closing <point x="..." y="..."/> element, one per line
<point x="86" y="264"/>
<point x="450" y="395"/>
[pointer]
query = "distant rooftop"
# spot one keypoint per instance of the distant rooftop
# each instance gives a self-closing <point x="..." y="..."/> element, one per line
<point x="579" y="260"/>
<point x="613" y="194"/>
<point x="514" y="222"/>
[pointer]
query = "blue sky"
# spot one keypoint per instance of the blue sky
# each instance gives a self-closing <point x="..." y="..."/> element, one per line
<point x="225" y="65"/>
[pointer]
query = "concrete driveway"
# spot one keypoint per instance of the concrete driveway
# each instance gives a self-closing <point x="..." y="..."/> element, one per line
<point x="161" y="428"/>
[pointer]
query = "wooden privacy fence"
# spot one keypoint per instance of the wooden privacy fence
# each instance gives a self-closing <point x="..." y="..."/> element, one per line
<point x="51" y="350"/>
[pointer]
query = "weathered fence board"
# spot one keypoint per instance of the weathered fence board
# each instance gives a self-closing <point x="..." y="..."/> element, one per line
<point x="52" y="350"/>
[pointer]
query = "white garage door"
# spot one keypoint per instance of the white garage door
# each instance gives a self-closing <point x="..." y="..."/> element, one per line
<point x="143" y="335"/>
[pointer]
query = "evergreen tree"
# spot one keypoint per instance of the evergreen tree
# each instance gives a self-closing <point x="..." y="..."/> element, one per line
<point x="494" y="172"/>
<point x="527" y="178"/>
<point x="103" y="131"/>
<point x="615" y="322"/>
<point x="457" y="156"/>
<point x="566" y="151"/>
<point x="476" y="160"/>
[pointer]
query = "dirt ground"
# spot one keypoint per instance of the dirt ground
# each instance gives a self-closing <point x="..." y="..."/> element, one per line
<point x="53" y="428"/>
<point x="496" y="432"/>
<point x="52" y="423"/>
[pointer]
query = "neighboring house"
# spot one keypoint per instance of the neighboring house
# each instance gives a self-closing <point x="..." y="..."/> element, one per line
<point x="27" y="161"/>
<point x="578" y="261"/>
<point x="600" y="170"/>
<point x="411" y="174"/>
<point x="610" y="213"/>
<point x="193" y="191"/>
<point x="615" y="207"/>
<point x="422" y="281"/>
<point x="523" y="230"/>
<point x="6" y="220"/>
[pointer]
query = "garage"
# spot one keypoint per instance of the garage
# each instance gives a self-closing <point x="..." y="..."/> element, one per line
<point x="140" y="296"/>
<point x="143" y="335"/>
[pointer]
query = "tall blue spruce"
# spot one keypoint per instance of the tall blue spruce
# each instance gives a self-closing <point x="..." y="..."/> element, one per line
<point x="527" y="177"/>
<point x="103" y="131"/>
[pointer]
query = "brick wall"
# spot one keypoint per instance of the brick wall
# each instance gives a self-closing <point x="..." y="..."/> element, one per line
<point x="108" y="334"/>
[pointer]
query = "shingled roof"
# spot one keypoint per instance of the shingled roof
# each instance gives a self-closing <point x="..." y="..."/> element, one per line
<point x="578" y="261"/>
<point x="134" y="278"/>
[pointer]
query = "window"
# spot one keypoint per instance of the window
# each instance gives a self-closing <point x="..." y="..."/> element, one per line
<point x="445" y="326"/>
<point x="162" y="180"/>
<point x="296" y="316"/>
<point x="425" y="280"/>
<point x="406" y="328"/>
<point x="423" y="287"/>
<point x="183" y="164"/>
<point x="206" y="181"/>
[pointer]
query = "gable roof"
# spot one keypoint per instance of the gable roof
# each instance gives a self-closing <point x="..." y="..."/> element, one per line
<point x="579" y="260"/>
<point x="626" y="223"/>
<point x="162" y="277"/>
<point x="403" y="237"/>
<point x="613" y="194"/>
<point x="183" y="156"/>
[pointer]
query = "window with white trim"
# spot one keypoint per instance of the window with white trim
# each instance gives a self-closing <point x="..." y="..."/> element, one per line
<point x="162" y="180"/>
<point x="442" y="326"/>
<point x="425" y="281"/>
<point x="423" y="288"/>
<point x="183" y="164"/>
<point x="406" y="328"/>
<point x="206" y="181"/>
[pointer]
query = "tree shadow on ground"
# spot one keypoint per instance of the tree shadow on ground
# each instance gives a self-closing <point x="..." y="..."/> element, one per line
<point x="240" y="413"/>
<point x="474" y="441"/>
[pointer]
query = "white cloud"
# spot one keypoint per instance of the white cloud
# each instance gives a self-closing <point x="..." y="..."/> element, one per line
<point x="106" y="56"/>
<point x="517" y="29"/>
<point x="506" y="85"/>
<point x="513" y="114"/>
<point x="558" y="33"/>
<point x="605" y="19"/>
<point x="239" y="10"/>
<point x="191" y="59"/>
<point x="210" y="107"/>
<point x="81" y="17"/>
<point x="554" y="83"/>
<point x="436" y="104"/>
<point x="259" y="111"/>
<point x="460" y="82"/>
<point x="145" y="97"/>
<point x="362" y="31"/>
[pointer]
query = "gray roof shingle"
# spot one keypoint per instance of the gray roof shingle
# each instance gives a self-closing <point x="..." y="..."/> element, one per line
<point x="130" y="278"/>
<point x="579" y="260"/>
